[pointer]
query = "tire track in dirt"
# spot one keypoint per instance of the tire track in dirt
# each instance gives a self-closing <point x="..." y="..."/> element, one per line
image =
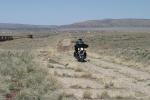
<point x="99" y="77"/>
<point x="140" y="79"/>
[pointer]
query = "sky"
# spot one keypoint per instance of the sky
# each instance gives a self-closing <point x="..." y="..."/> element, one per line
<point x="60" y="12"/>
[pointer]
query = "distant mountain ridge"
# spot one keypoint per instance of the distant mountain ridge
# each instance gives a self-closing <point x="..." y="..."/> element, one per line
<point x="12" y="25"/>
<point x="105" y="23"/>
<point x="110" y="23"/>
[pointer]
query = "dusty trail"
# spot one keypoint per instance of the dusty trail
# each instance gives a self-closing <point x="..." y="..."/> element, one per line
<point x="100" y="78"/>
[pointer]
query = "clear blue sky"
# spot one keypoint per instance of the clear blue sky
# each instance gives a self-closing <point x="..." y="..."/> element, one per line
<point x="57" y="12"/>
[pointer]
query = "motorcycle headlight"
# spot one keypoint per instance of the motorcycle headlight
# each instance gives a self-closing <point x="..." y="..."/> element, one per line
<point x="82" y="49"/>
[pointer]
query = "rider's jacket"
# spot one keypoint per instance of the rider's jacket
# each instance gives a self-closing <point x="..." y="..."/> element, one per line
<point x="80" y="44"/>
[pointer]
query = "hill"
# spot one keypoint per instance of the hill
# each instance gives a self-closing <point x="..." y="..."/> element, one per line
<point x="110" y="23"/>
<point x="25" y="27"/>
<point x="123" y="24"/>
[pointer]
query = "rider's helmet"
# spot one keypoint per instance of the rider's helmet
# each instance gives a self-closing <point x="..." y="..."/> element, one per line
<point x="80" y="41"/>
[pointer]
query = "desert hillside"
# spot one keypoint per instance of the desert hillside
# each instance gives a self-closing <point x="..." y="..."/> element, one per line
<point x="110" y="23"/>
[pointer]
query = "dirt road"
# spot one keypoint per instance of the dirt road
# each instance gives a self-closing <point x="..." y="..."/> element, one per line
<point x="97" y="78"/>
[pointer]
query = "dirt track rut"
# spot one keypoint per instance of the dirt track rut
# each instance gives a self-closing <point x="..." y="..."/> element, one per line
<point x="98" y="79"/>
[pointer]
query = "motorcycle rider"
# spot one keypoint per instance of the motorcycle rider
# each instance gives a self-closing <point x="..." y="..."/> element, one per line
<point x="80" y="44"/>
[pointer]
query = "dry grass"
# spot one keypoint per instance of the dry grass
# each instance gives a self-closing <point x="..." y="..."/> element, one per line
<point x="66" y="75"/>
<point x="104" y="95"/>
<point x="78" y="69"/>
<point x="108" y="85"/>
<point x="124" y="97"/>
<point x="66" y="96"/>
<point x="87" y="95"/>
<point x="86" y="75"/>
<point x="50" y="66"/>
<point x="76" y="86"/>
<point x="127" y="47"/>
<point x="62" y="74"/>
<point x="22" y="76"/>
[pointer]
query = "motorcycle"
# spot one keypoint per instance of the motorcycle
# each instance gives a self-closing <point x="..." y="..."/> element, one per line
<point x="80" y="55"/>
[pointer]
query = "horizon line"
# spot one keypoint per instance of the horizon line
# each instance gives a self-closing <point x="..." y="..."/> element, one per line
<point x="73" y="22"/>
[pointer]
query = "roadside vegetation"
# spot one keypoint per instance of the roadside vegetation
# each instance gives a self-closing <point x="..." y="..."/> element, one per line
<point x="21" y="78"/>
<point x="128" y="47"/>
